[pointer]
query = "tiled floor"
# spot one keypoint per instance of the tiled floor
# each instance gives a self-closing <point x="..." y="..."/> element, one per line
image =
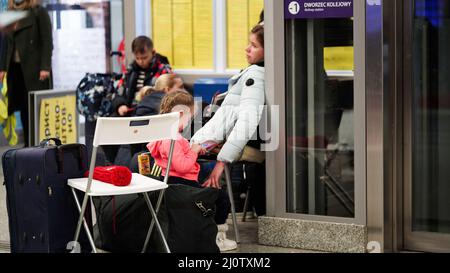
<point x="248" y="229"/>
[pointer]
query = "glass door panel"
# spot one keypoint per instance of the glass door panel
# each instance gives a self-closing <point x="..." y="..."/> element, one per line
<point x="428" y="181"/>
<point x="319" y="117"/>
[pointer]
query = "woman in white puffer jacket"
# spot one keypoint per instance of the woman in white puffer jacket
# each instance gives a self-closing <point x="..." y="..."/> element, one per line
<point x="236" y="121"/>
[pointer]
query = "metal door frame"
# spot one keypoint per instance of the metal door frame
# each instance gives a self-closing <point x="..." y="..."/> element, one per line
<point x="275" y="91"/>
<point x="384" y="41"/>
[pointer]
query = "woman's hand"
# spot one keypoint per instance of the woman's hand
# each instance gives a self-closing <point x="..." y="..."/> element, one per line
<point x="2" y="74"/>
<point x="214" y="179"/>
<point x="44" y="75"/>
<point x="123" y="110"/>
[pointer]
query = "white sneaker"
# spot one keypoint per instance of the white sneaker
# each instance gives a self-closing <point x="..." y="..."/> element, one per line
<point x="222" y="242"/>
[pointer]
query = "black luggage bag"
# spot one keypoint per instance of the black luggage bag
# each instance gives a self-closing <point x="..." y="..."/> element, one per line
<point x="190" y="213"/>
<point x="41" y="209"/>
<point x="186" y="217"/>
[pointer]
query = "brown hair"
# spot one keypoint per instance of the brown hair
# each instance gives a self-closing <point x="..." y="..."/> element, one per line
<point x="258" y="30"/>
<point x="141" y="44"/>
<point x="177" y="98"/>
<point x="27" y="4"/>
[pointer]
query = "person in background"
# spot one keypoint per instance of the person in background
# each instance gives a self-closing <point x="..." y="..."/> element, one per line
<point x="184" y="168"/>
<point x="147" y="67"/>
<point x="144" y="71"/>
<point x="27" y="59"/>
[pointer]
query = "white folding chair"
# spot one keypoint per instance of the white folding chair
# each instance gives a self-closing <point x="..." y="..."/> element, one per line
<point x="117" y="131"/>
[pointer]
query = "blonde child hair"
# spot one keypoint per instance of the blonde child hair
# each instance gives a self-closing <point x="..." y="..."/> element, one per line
<point x="174" y="99"/>
<point x="166" y="81"/>
<point x="145" y="91"/>
<point x="163" y="83"/>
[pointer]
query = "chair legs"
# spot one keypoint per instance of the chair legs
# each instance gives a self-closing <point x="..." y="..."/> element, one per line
<point x="247" y="200"/>
<point x="152" y="223"/>
<point x="86" y="228"/>
<point x="233" y="209"/>
<point x="154" y="220"/>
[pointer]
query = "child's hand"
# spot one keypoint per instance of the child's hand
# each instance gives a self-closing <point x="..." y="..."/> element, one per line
<point x="197" y="149"/>
<point x="43" y="75"/>
<point x="123" y="110"/>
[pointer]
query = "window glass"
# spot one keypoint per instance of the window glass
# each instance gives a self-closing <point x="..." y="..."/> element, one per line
<point x="242" y="15"/>
<point x="183" y="32"/>
<point x="84" y="34"/>
<point x="319" y="105"/>
<point x="431" y="116"/>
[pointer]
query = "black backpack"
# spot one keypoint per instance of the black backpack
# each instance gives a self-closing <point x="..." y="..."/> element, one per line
<point x="186" y="217"/>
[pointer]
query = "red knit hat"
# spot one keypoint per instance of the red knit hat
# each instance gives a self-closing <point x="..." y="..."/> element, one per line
<point x="116" y="175"/>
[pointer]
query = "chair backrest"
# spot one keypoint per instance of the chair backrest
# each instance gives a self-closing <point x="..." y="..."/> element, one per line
<point x="133" y="130"/>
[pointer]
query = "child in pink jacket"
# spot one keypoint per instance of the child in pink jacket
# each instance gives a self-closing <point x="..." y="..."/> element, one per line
<point x="184" y="161"/>
<point x="184" y="168"/>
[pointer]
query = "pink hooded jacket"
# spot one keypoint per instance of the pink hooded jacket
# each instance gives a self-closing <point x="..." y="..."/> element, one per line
<point x="184" y="160"/>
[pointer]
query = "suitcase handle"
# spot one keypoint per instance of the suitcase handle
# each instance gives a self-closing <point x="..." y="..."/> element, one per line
<point x="72" y="146"/>
<point x="45" y="142"/>
<point x="75" y="149"/>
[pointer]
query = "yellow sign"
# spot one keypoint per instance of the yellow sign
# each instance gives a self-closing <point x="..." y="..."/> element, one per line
<point x="182" y="34"/>
<point x="203" y="34"/>
<point x="237" y="33"/>
<point x="57" y="118"/>
<point x="339" y="58"/>
<point x="242" y="16"/>
<point x="254" y="11"/>
<point x="162" y="27"/>
<point x="183" y="31"/>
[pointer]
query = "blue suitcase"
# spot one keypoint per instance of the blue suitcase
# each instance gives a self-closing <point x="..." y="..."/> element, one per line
<point x="41" y="209"/>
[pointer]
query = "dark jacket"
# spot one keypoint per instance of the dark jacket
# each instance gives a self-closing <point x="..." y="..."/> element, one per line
<point x="33" y="39"/>
<point x="157" y="68"/>
<point x="150" y="104"/>
<point x="3" y="47"/>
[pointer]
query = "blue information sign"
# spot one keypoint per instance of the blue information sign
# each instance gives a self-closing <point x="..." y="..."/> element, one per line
<point x="294" y="9"/>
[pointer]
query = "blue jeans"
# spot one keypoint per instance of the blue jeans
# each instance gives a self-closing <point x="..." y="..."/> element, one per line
<point x="206" y="168"/>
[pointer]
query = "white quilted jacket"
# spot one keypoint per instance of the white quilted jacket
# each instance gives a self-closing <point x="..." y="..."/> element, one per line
<point x="237" y="119"/>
